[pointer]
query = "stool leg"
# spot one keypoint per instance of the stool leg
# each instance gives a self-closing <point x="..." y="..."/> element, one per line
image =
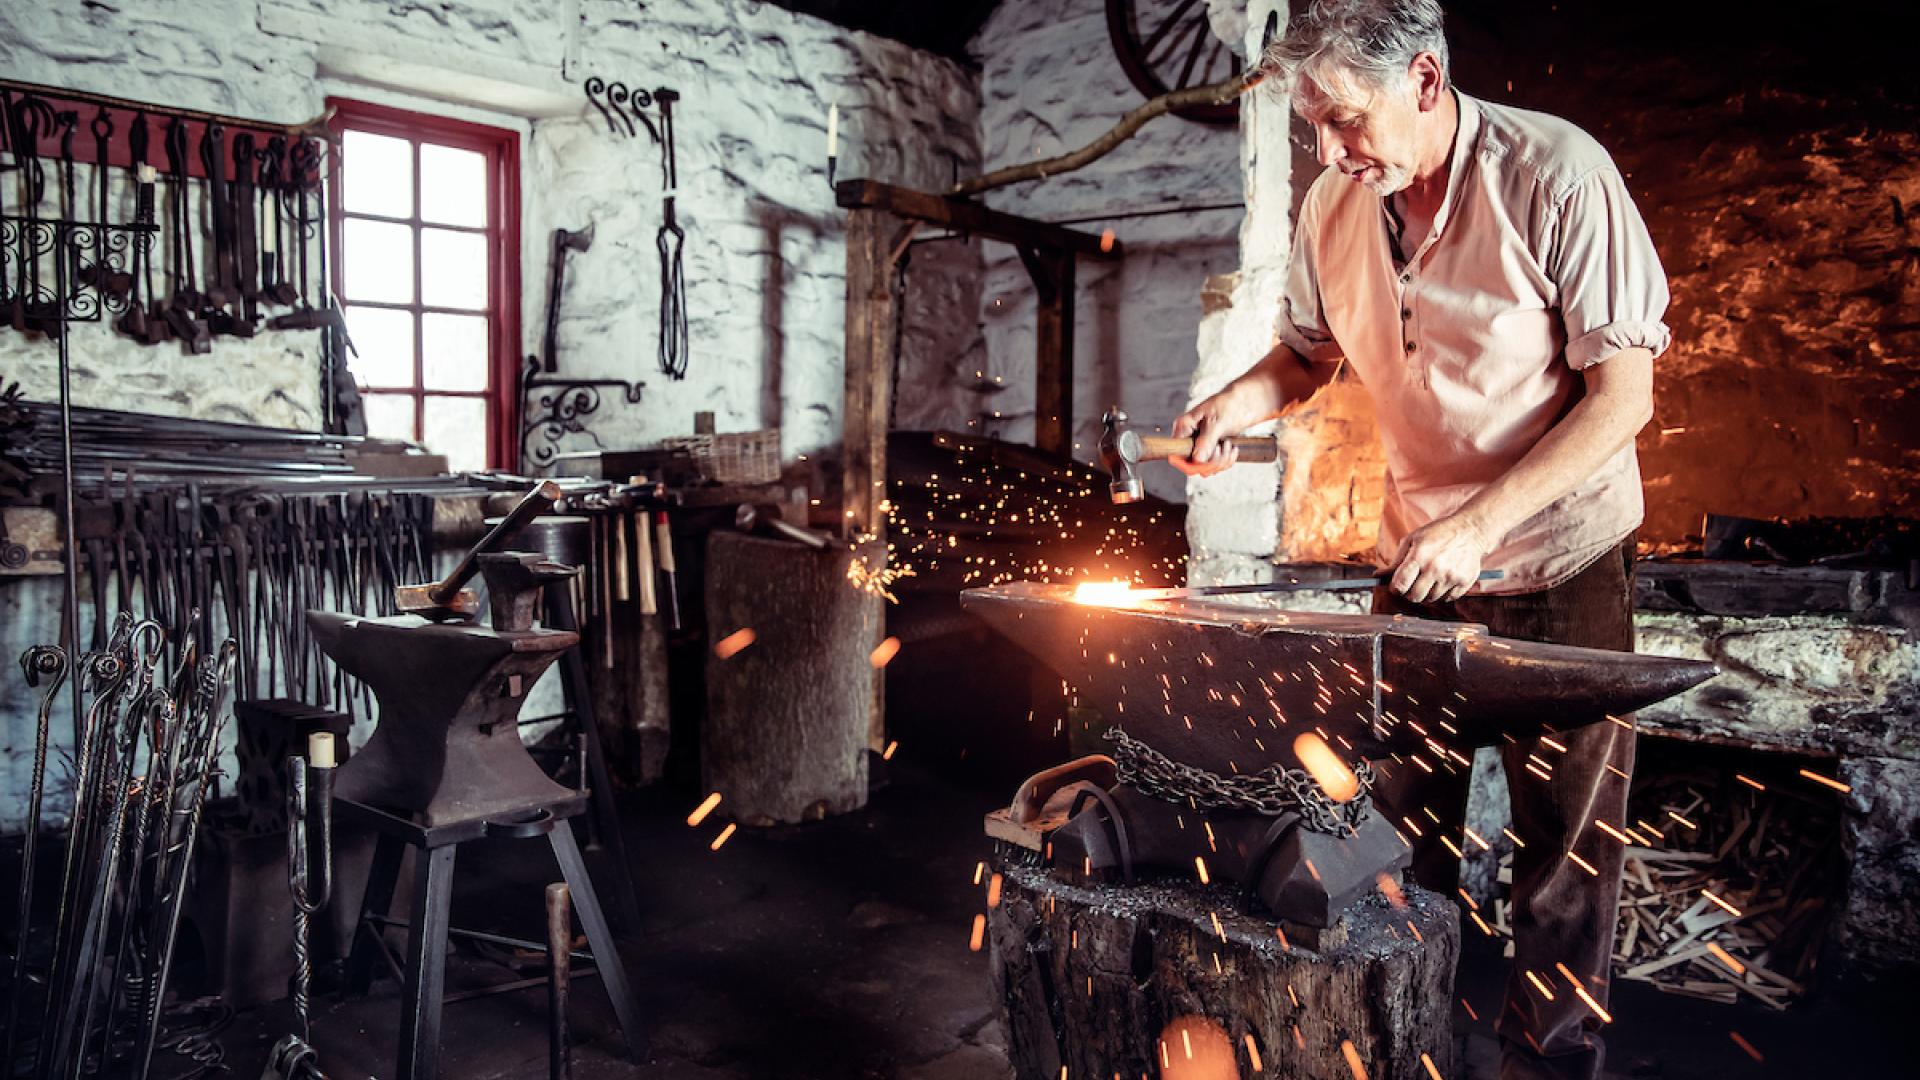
<point x="418" y="1057"/>
<point x="606" y="815"/>
<point x="382" y="875"/>
<point x="606" y="959"/>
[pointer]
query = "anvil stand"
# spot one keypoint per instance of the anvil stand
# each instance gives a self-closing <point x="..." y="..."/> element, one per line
<point x="445" y="766"/>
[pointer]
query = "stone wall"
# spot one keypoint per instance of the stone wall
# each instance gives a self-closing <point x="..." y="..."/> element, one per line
<point x="764" y="262"/>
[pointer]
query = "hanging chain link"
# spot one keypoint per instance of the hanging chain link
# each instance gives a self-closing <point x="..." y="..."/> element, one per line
<point x="1272" y="791"/>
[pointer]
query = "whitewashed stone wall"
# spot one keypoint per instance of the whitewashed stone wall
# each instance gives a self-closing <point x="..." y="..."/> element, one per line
<point x="1050" y="84"/>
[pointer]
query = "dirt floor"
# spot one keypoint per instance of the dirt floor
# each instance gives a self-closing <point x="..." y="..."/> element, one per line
<point x="839" y="950"/>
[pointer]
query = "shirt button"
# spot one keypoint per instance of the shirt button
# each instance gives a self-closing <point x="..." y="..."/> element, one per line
<point x="1406" y="313"/>
<point x="1405" y="278"/>
<point x="1411" y="346"/>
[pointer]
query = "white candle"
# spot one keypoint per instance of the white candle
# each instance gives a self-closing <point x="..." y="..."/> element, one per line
<point x="320" y="749"/>
<point x="833" y="131"/>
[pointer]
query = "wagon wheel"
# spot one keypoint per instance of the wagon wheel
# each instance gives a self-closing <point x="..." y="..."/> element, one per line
<point x="1166" y="45"/>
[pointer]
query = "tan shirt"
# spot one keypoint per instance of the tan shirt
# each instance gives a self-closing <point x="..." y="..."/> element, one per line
<point x="1536" y="267"/>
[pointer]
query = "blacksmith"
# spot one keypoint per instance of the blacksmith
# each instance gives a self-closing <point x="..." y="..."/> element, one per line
<point x="1484" y="271"/>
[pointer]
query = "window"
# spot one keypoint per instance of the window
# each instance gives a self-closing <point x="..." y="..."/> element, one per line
<point x="426" y="221"/>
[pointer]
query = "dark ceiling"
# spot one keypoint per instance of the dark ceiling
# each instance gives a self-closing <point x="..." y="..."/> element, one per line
<point x="938" y="26"/>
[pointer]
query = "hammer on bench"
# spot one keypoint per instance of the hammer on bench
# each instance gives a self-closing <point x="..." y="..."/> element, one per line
<point x="1121" y="448"/>
<point x="445" y="599"/>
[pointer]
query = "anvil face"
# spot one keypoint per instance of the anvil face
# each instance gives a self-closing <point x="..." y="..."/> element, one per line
<point x="1228" y="688"/>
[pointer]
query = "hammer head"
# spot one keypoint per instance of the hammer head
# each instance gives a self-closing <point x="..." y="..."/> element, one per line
<point x="1125" y="486"/>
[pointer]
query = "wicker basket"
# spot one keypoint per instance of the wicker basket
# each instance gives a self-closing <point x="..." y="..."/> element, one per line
<point x="747" y="457"/>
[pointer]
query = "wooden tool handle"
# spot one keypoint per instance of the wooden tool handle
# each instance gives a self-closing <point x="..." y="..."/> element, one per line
<point x="619" y="523"/>
<point x="643" y="564"/>
<point x="536" y="501"/>
<point x="1254" y="448"/>
<point x="663" y="542"/>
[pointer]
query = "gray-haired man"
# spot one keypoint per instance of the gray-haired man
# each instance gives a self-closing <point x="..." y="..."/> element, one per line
<point x="1484" y="270"/>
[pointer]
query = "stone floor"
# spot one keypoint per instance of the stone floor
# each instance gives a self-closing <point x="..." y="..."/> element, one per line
<point x="839" y="950"/>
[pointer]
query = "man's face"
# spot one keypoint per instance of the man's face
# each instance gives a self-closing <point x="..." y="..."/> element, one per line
<point x="1367" y="132"/>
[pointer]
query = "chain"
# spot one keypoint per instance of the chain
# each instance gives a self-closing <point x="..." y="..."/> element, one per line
<point x="1272" y="791"/>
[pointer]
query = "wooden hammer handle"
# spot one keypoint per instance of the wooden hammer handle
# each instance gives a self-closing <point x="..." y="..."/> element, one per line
<point x="539" y="499"/>
<point x="1255" y="448"/>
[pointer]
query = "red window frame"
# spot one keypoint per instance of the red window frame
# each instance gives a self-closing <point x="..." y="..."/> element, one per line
<point x="501" y="147"/>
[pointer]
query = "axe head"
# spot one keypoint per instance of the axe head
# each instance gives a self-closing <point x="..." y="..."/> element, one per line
<point x="418" y="600"/>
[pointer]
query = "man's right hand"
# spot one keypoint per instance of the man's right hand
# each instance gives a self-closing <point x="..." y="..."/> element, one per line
<point x="1209" y="422"/>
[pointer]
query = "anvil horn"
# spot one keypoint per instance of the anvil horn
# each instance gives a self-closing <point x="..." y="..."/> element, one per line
<point x="1227" y="688"/>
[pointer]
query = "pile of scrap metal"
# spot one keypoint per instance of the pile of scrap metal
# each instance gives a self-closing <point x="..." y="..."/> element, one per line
<point x="85" y="995"/>
<point x="1222" y="718"/>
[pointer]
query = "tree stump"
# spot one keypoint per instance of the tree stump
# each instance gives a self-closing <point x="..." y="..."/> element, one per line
<point x="786" y="732"/>
<point x="1092" y="977"/>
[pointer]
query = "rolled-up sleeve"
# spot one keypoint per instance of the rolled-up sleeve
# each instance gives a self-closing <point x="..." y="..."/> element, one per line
<point x="1613" y="291"/>
<point x="1302" y="325"/>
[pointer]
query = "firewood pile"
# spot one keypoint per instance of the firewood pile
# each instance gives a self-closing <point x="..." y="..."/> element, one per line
<point x="1726" y="886"/>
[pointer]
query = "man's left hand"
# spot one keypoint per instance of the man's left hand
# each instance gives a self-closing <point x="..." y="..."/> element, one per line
<point x="1440" y="561"/>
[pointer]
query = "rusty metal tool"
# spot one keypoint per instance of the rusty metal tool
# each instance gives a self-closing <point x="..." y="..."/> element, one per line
<point x="764" y="519"/>
<point x="445" y="599"/>
<point x="1296" y="584"/>
<point x="48" y="664"/>
<point x="1121" y="448"/>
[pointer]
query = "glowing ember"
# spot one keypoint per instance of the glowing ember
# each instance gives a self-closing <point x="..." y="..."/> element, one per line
<point x="1580" y="992"/>
<point x="1745" y="1045"/>
<point x="706" y="807"/>
<point x="1105" y="594"/>
<point x="1253" y="1052"/>
<point x="1431" y="1069"/>
<point x="722" y="838"/>
<point x="1726" y="958"/>
<point x="1332" y="774"/>
<point x="1734" y="911"/>
<point x="1583" y="864"/>
<point x="727" y="647"/>
<point x="884" y="652"/>
<point x="887" y="754"/>
<point x="1201" y="864"/>
<point x="1828" y="781"/>
<point x="1353" y="1059"/>
<point x="979" y="933"/>
<point x="1540" y="986"/>
<point x="993" y="891"/>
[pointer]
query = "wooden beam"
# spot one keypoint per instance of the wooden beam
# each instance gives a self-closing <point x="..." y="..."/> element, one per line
<point x="1052" y="274"/>
<point x="963" y="215"/>
<point x="872" y="238"/>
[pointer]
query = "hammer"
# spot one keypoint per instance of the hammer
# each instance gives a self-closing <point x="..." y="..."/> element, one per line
<point x="445" y="599"/>
<point x="1121" y="447"/>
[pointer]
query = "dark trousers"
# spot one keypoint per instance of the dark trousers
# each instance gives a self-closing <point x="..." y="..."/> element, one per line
<point x="1562" y="914"/>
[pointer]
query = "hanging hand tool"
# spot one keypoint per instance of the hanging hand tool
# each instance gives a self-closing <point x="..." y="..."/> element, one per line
<point x="183" y="313"/>
<point x="671" y="242"/>
<point x="221" y="291"/>
<point x="134" y="322"/>
<point x="244" y="236"/>
<point x="42" y="664"/>
<point x="100" y="275"/>
<point x="663" y="551"/>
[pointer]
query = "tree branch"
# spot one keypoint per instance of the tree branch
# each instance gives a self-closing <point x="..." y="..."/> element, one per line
<point x="1212" y="94"/>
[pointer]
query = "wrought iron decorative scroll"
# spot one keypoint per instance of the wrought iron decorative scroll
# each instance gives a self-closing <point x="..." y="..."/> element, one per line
<point x="624" y="111"/>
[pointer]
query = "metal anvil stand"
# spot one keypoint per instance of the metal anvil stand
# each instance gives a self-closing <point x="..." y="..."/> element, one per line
<point x="446" y="765"/>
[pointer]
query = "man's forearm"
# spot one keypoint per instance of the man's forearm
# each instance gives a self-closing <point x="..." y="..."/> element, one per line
<point x="1280" y="379"/>
<point x="1605" y="420"/>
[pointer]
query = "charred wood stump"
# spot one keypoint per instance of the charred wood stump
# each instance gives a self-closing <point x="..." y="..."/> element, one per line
<point x="790" y="704"/>
<point x="1140" y="980"/>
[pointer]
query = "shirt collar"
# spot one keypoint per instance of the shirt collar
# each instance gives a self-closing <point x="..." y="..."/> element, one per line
<point x="1465" y="136"/>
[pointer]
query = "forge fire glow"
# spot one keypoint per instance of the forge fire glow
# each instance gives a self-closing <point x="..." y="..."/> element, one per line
<point x="1105" y="594"/>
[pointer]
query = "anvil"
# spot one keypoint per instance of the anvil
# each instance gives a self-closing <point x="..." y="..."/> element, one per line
<point x="1228" y="688"/>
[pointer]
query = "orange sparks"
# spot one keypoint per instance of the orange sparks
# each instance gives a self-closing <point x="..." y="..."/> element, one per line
<point x="722" y="838"/>
<point x="1538" y="985"/>
<point x="1253" y="1052"/>
<point x="1621" y="722"/>
<point x="1580" y="991"/>
<point x="1726" y="958"/>
<point x="1481" y="923"/>
<point x="1201" y="865"/>
<point x="1517" y="842"/>
<point x="979" y="871"/>
<point x="727" y="647"/>
<point x="1469" y="900"/>
<point x="706" y="807"/>
<point x="1750" y="782"/>
<point x="1611" y="831"/>
<point x="1747" y="1046"/>
<point x="1683" y="821"/>
<point x="1299" y="1040"/>
<point x="1106" y="240"/>
<point x="1475" y="837"/>
<point x="1432" y="1071"/>
<point x="884" y="652"/>
<point x="1353" y="1059"/>
<point x="979" y="933"/>
<point x="1827" y="780"/>
<point x="1553" y="744"/>
<point x="1285" y="945"/>
<point x="1415" y="931"/>
<point x="1390" y="889"/>
<point x="1469" y="1008"/>
<point x="887" y="754"/>
<point x="1221" y="931"/>
<point x="1331" y="773"/>
<point x="993" y="891"/>
<point x="1709" y="895"/>
<point x="1457" y="853"/>
<point x="1583" y="864"/>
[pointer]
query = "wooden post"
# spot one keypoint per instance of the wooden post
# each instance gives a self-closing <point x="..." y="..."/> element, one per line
<point x="1052" y="272"/>
<point x="1093" y="979"/>
<point x="871" y="238"/>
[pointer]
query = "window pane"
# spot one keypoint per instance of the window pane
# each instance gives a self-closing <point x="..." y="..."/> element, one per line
<point x="390" y="416"/>
<point x="384" y="339"/>
<point x="453" y="269"/>
<point x="453" y="186"/>
<point x="377" y="174"/>
<point x="455" y="350"/>
<point x="457" y="427"/>
<point x="379" y="261"/>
